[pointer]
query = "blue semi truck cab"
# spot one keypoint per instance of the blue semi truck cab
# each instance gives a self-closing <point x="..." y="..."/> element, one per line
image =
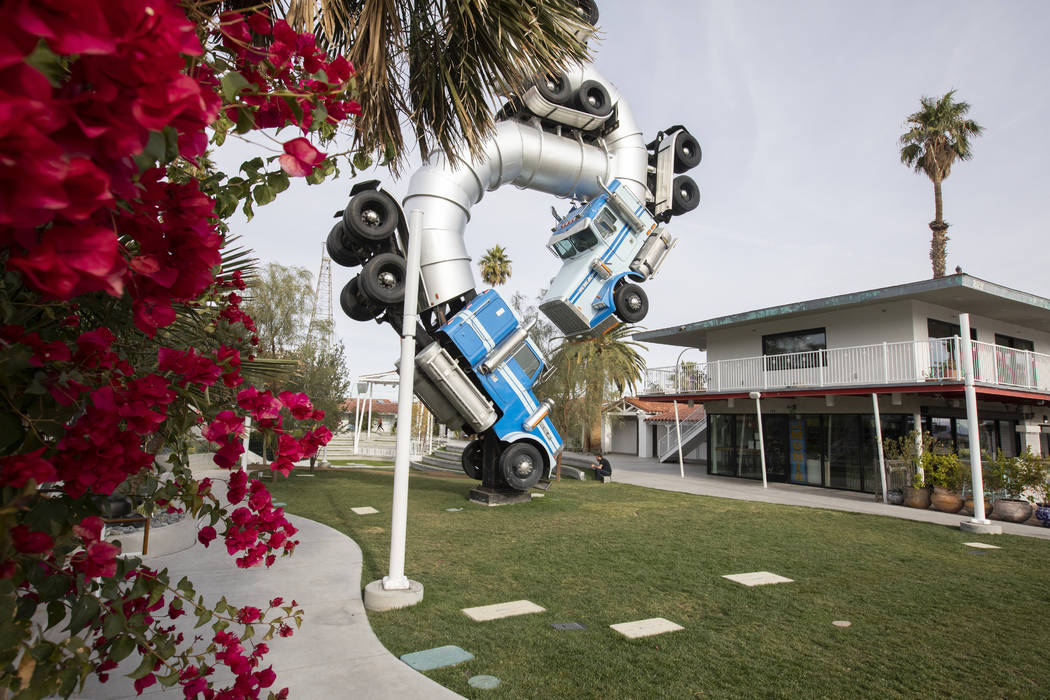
<point x="478" y="375"/>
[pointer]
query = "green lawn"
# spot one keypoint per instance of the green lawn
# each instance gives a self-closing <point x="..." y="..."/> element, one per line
<point x="930" y="616"/>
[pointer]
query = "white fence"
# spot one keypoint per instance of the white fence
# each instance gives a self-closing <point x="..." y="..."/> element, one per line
<point x="909" y="362"/>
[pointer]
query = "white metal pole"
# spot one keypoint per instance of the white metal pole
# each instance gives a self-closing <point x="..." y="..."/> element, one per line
<point x="678" y="429"/>
<point x="878" y="436"/>
<point x="371" y="389"/>
<point x="757" y="396"/>
<point x="357" y="415"/>
<point x="966" y="356"/>
<point x="396" y="579"/>
<point x="247" y="434"/>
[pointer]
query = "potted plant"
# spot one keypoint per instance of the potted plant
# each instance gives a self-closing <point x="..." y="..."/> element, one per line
<point x="944" y="472"/>
<point x="909" y="450"/>
<point x="1018" y="482"/>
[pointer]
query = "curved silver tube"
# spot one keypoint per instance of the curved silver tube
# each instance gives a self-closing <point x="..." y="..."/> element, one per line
<point x="524" y="155"/>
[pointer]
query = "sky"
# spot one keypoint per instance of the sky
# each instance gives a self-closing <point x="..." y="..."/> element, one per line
<point x="798" y="108"/>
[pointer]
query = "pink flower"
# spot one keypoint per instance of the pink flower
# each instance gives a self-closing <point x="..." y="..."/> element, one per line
<point x="206" y="535"/>
<point x="29" y="541"/>
<point x="144" y="682"/>
<point x="89" y="529"/>
<point x="300" y="157"/>
<point x="248" y="615"/>
<point x="18" y="470"/>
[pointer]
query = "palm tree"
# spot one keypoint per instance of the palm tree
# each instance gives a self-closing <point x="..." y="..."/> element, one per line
<point x="495" y="266"/>
<point x="937" y="135"/>
<point x="442" y="64"/>
<point x="588" y="373"/>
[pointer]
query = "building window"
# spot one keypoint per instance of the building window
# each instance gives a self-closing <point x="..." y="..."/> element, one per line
<point x="1007" y="341"/>
<point x="803" y="349"/>
<point x="1013" y="364"/>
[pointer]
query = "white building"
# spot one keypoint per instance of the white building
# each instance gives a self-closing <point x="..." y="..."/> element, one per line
<point x="817" y="365"/>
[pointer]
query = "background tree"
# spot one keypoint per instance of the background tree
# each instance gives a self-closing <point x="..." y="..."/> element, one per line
<point x="323" y="374"/>
<point x="440" y="64"/>
<point x="587" y="374"/>
<point x="280" y="300"/>
<point x="495" y="266"/>
<point x="938" y="135"/>
<point x="543" y="332"/>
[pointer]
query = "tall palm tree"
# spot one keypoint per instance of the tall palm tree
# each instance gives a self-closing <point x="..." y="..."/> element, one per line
<point x="588" y="373"/>
<point x="442" y="64"/>
<point x="937" y="135"/>
<point x="495" y="266"/>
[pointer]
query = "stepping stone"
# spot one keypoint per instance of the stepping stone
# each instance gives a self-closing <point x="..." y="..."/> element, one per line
<point x="646" y="628"/>
<point x="305" y="475"/>
<point x="981" y="545"/>
<point x="568" y="626"/>
<point x="277" y="505"/>
<point x="500" y="610"/>
<point x="483" y="682"/>
<point x="841" y="623"/>
<point x="453" y="510"/>
<point x="364" y="510"/>
<point x="757" y="578"/>
<point x="438" y="657"/>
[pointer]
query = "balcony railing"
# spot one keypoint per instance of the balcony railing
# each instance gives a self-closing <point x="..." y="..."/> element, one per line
<point x="908" y="362"/>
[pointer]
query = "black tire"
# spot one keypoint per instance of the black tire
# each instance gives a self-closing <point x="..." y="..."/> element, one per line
<point x="352" y="305"/>
<point x="371" y="217"/>
<point x="521" y="465"/>
<point x="383" y="280"/>
<point x="593" y="98"/>
<point x="554" y="88"/>
<point x="471" y="459"/>
<point x="631" y="303"/>
<point x="687" y="153"/>
<point x="589" y="11"/>
<point x="337" y="250"/>
<point x="685" y="195"/>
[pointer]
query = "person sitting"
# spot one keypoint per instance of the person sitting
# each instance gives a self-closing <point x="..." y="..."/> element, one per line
<point x="601" y="467"/>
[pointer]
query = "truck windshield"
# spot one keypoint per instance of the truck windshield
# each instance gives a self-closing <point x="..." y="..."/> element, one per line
<point x="576" y="243"/>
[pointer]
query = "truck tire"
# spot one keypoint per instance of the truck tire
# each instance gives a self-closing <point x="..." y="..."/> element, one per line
<point x="371" y="217"/>
<point x="687" y="153"/>
<point x="631" y="303"/>
<point x="383" y="280"/>
<point x="554" y="88"/>
<point x="352" y="305"/>
<point x="337" y="249"/>
<point x="521" y="465"/>
<point x="594" y="99"/>
<point x="685" y="195"/>
<point x="471" y="459"/>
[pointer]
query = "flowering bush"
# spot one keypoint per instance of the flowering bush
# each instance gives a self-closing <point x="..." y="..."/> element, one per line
<point x="121" y="329"/>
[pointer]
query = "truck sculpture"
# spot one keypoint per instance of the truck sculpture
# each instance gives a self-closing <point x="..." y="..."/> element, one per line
<point x="571" y="135"/>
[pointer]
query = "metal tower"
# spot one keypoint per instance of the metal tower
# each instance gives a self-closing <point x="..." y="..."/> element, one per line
<point x="322" y="324"/>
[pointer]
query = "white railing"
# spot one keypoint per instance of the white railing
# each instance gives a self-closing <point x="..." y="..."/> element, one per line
<point x="669" y="442"/>
<point x="908" y="362"/>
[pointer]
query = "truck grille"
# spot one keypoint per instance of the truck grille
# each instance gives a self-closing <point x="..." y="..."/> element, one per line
<point x="566" y="318"/>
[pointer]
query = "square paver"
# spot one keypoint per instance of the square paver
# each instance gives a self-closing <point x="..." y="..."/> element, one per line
<point x="499" y="610"/>
<point x="646" y="628"/>
<point x="981" y="545"/>
<point x="757" y="578"/>
<point x="364" y="510"/>
<point x="438" y="657"/>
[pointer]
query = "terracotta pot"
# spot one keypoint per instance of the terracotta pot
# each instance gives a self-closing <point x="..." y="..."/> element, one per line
<point x="916" y="498"/>
<point x="946" y="500"/>
<point x="968" y="506"/>
<point x="1013" y="510"/>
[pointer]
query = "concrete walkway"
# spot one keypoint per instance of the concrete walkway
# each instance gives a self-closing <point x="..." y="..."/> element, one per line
<point x="666" y="477"/>
<point x="334" y="655"/>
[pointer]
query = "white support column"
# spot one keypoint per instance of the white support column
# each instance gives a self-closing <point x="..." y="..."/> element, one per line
<point x="878" y="436"/>
<point x="371" y="391"/>
<point x="678" y="430"/>
<point x="357" y="414"/>
<point x="757" y="396"/>
<point x="395" y="590"/>
<point x="247" y="434"/>
<point x="966" y="357"/>
<point x="916" y="419"/>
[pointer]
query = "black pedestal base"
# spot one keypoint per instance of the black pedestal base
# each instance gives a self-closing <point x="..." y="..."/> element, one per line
<point x="494" y="496"/>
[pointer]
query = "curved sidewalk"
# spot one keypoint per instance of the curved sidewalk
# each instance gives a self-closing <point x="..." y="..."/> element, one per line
<point x="334" y="655"/>
<point x="666" y="476"/>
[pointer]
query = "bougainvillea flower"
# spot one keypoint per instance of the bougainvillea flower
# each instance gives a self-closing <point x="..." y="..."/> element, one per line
<point x="206" y="535"/>
<point x="17" y="470"/>
<point x="71" y="260"/>
<point x="30" y="541"/>
<point x="300" y="157"/>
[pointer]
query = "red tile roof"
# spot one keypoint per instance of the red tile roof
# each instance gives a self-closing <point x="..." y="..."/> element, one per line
<point x="378" y="406"/>
<point x="685" y="414"/>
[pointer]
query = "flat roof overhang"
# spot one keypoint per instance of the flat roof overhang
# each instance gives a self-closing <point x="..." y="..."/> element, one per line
<point x="954" y="389"/>
<point x="961" y="292"/>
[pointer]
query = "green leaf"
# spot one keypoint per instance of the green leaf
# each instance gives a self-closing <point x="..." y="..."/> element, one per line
<point x="264" y="194"/>
<point x="252" y="167"/>
<point x="121" y="647"/>
<point x="85" y="611"/>
<point x="245" y="122"/>
<point x="278" y="181"/>
<point x="185" y="586"/>
<point x="113" y="625"/>
<point x="47" y="62"/>
<point x="56" y="612"/>
<point x="144" y="669"/>
<point x="362" y="160"/>
<point x="26" y="608"/>
<point x="53" y="587"/>
<point x="232" y="83"/>
<point x="203" y="617"/>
